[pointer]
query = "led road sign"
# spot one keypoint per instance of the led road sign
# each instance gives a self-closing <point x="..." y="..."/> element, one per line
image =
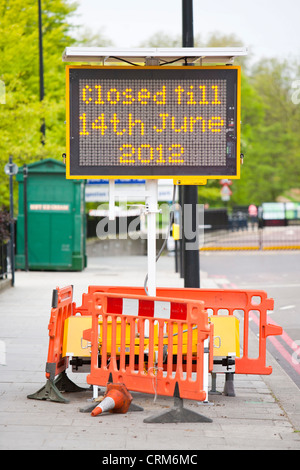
<point x="153" y="122"/>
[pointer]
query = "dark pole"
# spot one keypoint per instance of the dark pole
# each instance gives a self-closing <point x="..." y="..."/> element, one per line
<point x="12" y="223"/>
<point x="41" y="62"/>
<point x="25" y="174"/>
<point x="191" y="264"/>
<point x="187" y="23"/>
<point x="181" y="240"/>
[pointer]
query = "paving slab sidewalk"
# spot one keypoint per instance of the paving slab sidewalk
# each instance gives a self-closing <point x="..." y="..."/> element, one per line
<point x="265" y="414"/>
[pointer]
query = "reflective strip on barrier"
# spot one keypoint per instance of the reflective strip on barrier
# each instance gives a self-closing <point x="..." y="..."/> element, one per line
<point x="152" y="364"/>
<point x="138" y="306"/>
<point x="147" y="308"/>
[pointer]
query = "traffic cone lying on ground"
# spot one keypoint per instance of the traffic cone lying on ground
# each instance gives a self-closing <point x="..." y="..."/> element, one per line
<point x="117" y="399"/>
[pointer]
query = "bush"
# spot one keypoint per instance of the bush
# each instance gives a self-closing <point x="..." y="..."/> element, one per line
<point x="4" y="226"/>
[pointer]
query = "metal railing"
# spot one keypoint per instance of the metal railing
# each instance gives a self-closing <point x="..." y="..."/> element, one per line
<point x="271" y="229"/>
<point x="3" y="260"/>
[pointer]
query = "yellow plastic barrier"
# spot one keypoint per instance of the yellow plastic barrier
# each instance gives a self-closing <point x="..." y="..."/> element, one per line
<point x="226" y="336"/>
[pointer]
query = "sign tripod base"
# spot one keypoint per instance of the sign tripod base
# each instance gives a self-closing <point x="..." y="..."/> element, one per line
<point x="53" y="389"/>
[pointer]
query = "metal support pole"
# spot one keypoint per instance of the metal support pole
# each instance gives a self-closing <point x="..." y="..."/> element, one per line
<point x="191" y="264"/>
<point x="181" y="241"/>
<point x="206" y="368"/>
<point x="151" y="211"/>
<point x="111" y="201"/>
<point x="191" y="237"/>
<point x="41" y="65"/>
<point x="176" y="256"/>
<point x="187" y="24"/>
<point x="12" y="223"/>
<point x="25" y="175"/>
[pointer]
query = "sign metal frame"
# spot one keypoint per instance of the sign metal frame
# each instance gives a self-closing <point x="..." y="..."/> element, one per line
<point x="179" y="177"/>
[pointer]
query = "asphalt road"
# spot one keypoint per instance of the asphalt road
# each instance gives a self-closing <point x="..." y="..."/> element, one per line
<point x="277" y="273"/>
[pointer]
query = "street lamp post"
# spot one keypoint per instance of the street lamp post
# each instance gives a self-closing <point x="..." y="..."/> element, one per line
<point x="41" y="63"/>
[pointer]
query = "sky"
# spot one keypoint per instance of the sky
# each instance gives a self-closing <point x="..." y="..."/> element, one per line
<point x="269" y="28"/>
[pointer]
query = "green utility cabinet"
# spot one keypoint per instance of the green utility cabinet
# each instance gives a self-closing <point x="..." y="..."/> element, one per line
<point x="56" y="223"/>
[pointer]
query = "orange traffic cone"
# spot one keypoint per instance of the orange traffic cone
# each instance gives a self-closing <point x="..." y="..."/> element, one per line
<point x="117" y="399"/>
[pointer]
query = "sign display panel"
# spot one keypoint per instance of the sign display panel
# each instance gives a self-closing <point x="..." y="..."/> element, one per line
<point x="153" y="122"/>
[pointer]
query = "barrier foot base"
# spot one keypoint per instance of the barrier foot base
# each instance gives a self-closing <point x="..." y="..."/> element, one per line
<point x="89" y="408"/>
<point x="64" y="384"/>
<point x="49" y="392"/>
<point x="178" y="414"/>
<point x="134" y="407"/>
<point x="229" y="385"/>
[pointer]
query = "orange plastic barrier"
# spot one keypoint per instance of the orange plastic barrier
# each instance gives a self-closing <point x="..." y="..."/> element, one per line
<point x="62" y="308"/>
<point x="217" y="301"/>
<point x="145" y="367"/>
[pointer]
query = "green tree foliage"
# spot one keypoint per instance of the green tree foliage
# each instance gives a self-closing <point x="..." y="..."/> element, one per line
<point x="86" y="37"/>
<point x="270" y="133"/>
<point x="22" y="112"/>
<point x="4" y="226"/>
<point x="161" y="39"/>
<point x="270" y="137"/>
